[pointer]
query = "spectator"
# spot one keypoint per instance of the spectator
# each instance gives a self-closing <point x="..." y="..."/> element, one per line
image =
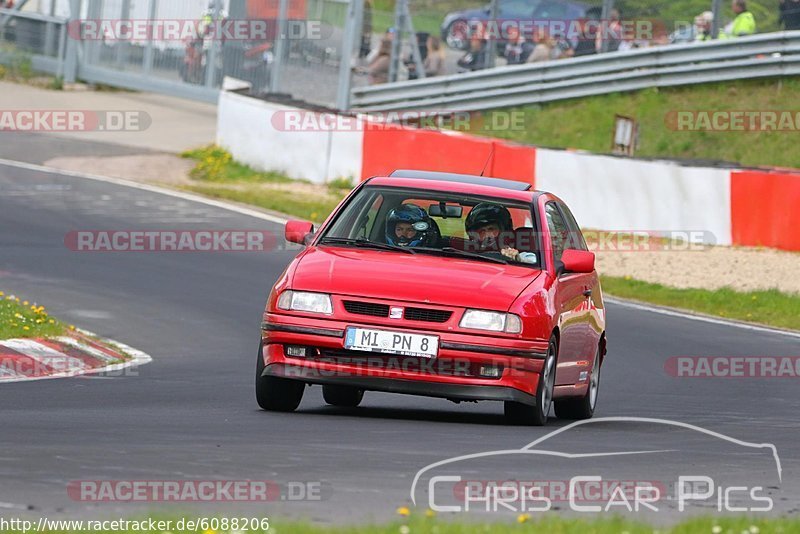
<point x="790" y="14"/>
<point x="611" y="32"/>
<point x="378" y="69"/>
<point x="587" y="44"/>
<point x="475" y="58"/>
<point x="434" y="63"/>
<point x="744" y="24"/>
<point x="518" y="48"/>
<point x="388" y="34"/>
<point x="562" y="48"/>
<point x="543" y="51"/>
<point x="702" y="26"/>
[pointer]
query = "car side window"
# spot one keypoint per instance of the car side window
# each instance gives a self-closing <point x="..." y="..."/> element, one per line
<point x="559" y="232"/>
<point x="576" y="240"/>
<point x="372" y="215"/>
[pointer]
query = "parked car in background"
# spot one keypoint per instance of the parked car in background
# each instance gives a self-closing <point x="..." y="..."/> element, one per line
<point x="457" y="26"/>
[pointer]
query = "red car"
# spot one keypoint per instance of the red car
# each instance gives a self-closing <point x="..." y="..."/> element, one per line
<point x="442" y="285"/>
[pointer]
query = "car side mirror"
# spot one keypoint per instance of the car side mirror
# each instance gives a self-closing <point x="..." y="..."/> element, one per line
<point x="577" y="261"/>
<point x="298" y="232"/>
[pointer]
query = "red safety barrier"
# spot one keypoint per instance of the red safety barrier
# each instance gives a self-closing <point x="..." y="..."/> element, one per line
<point x="390" y="147"/>
<point x="764" y="209"/>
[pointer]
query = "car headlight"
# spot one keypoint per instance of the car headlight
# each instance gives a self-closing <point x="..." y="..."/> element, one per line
<point x="304" y="301"/>
<point x="493" y="321"/>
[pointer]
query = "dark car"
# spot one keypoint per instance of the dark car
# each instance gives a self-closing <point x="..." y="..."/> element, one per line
<point x="458" y="25"/>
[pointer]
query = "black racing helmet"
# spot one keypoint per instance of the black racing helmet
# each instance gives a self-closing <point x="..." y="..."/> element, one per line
<point x="487" y="213"/>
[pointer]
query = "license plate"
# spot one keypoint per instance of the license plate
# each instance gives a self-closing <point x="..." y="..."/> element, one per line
<point x="382" y="341"/>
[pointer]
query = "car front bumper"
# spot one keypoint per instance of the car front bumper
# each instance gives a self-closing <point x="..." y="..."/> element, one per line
<point x="451" y="375"/>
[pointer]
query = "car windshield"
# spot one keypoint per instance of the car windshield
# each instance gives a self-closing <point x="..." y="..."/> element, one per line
<point x="415" y="221"/>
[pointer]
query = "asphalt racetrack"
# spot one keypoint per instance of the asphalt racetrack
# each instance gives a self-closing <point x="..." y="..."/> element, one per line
<point x="191" y="413"/>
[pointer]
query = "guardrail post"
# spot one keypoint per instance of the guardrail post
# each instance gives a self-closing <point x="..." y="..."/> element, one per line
<point x="349" y="41"/>
<point x="716" y="9"/>
<point x="491" y="51"/>
<point x="211" y="60"/>
<point x="70" y="68"/>
<point x="147" y="61"/>
<point x="280" y="48"/>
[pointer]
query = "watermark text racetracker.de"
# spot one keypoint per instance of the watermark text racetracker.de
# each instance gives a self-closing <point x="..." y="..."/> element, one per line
<point x="170" y="241"/>
<point x="61" y="120"/>
<point x="109" y="491"/>
<point x="733" y="366"/>
<point x="196" y="524"/>
<point x="179" y="30"/>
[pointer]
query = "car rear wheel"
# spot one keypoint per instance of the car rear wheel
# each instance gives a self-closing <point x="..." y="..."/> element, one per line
<point x="583" y="407"/>
<point x="524" y="414"/>
<point x="276" y="394"/>
<point x="343" y="396"/>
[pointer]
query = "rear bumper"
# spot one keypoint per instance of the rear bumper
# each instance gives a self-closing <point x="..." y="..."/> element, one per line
<point x="521" y="362"/>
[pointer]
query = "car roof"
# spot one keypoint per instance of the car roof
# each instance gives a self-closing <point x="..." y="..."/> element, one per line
<point x="463" y="179"/>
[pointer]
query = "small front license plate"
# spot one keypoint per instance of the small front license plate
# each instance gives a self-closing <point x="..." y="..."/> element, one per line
<point x="385" y="342"/>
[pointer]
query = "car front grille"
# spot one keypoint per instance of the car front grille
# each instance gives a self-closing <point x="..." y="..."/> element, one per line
<point x="366" y="308"/>
<point x="427" y="315"/>
<point x="411" y="314"/>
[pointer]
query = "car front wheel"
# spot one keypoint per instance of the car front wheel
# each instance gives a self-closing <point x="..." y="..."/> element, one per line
<point x="524" y="414"/>
<point x="276" y="394"/>
<point x="583" y="407"/>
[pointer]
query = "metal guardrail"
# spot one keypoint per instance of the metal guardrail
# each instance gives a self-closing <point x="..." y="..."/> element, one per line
<point x="39" y="38"/>
<point x="765" y="55"/>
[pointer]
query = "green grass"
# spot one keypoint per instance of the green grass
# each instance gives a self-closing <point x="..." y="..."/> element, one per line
<point x="215" y="164"/>
<point x="282" y="201"/>
<point x="588" y="123"/>
<point x="22" y="319"/>
<point x="219" y="176"/>
<point x="522" y="525"/>
<point x="771" y="308"/>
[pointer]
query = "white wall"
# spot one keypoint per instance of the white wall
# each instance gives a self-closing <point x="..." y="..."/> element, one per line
<point x="245" y="128"/>
<point x="618" y="194"/>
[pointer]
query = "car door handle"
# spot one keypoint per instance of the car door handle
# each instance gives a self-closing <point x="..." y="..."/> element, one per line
<point x="587" y="293"/>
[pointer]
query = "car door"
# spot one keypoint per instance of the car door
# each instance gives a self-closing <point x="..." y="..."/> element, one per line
<point x="592" y="328"/>
<point x="570" y="300"/>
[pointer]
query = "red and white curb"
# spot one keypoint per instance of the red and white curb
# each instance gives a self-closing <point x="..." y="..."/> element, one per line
<point x="76" y="354"/>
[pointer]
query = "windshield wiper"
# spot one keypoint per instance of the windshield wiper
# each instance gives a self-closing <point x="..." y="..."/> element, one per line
<point x="364" y="242"/>
<point x="450" y="251"/>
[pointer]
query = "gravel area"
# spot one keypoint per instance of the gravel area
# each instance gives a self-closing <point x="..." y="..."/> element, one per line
<point x="742" y="269"/>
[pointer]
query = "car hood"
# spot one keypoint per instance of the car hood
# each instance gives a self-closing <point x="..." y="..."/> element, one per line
<point x="422" y="278"/>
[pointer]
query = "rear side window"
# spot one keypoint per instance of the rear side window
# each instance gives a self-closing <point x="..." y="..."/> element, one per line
<point x="576" y="240"/>
<point x="559" y="232"/>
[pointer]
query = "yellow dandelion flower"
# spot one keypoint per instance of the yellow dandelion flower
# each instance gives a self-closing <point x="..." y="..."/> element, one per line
<point x="52" y="321"/>
<point x="26" y="327"/>
<point x="1" y="293"/>
<point x="24" y="302"/>
<point x="404" y="511"/>
<point x="209" y="532"/>
<point x="627" y="277"/>
<point x="72" y="327"/>
<point x="523" y="518"/>
<point x="430" y="513"/>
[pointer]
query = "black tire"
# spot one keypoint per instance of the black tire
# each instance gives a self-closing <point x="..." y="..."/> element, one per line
<point x="276" y="394"/>
<point x="344" y="396"/>
<point x="583" y="407"/>
<point x="525" y="414"/>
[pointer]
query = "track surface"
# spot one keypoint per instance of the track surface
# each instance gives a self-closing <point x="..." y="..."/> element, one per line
<point x="191" y="414"/>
